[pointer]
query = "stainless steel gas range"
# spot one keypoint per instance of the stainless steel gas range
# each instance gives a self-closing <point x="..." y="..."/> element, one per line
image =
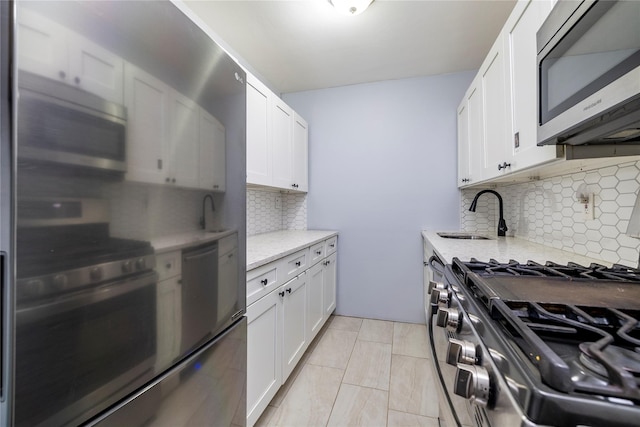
<point x="536" y="345"/>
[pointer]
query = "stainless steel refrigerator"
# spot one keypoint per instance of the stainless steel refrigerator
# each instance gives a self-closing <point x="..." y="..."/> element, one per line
<point x="122" y="218"/>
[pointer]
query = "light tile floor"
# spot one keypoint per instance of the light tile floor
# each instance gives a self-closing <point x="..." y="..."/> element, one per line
<point x="359" y="372"/>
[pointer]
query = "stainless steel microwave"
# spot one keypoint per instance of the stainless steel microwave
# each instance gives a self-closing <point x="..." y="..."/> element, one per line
<point x="589" y="75"/>
<point x="67" y="127"/>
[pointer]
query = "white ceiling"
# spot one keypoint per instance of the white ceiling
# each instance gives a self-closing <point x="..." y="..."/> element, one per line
<point x="300" y="45"/>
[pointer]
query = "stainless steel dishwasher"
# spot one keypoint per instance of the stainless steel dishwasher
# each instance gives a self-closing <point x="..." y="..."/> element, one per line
<point x="199" y="295"/>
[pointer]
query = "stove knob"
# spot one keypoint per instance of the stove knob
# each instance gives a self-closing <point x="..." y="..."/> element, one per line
<point x="441" y="298"/>
<point x="449" y="318"/>
<point x="474" y="383"/>
<point x="140" y="264"/>
<point x="436" y="285"/>
<point x="95" y="273"/>
<point x="60" y="282"/>
<point x="459" y="351"/>
<point x="127" y="266"/>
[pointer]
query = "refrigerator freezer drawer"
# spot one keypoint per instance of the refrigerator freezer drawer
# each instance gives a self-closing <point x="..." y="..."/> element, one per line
<point x="208" y="388"/>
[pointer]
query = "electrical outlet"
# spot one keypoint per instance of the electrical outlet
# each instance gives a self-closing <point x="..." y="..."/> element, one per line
<point x="278" y="202"/>
<point x="588" y="209"/>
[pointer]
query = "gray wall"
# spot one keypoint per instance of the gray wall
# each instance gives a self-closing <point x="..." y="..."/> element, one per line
<point x="382" y="166"/>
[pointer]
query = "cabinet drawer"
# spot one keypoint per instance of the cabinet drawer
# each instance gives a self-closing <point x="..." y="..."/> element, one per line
<point x="168" y="265"/>
<point x="262" y="280"/>
<point x="316" y="253"/>
<point x="331" y="245"/>
<point x="295" y="264"/>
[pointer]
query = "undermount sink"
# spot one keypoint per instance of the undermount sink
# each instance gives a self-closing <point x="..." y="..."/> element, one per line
<point x="462" y="235"/>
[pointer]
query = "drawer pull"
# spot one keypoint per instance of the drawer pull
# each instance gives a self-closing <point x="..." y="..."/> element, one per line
<point x="264" y="282"/>
<point x="168" y="266"/>
<point x="318" y="252"/>
<point x="297" y="263"/>
<point x="289" y="290"/>
<point x="333" y="245"/>
<point x="281" y="293"/>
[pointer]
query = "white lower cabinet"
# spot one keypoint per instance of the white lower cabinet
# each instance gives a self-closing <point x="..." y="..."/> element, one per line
<point x="294" y="318"/>
<point x="315" y="306"/>
<point x="169" y="307"/>
<point x="264" y="359"/>
<point x="329" y="279"/>
<point x="284" y="320"/>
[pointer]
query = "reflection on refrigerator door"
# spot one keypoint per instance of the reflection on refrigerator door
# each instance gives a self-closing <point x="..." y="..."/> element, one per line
<point x="206" y="389"/>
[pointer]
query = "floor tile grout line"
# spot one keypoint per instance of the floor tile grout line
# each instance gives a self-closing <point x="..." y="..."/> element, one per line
<point x="333" y="405"/>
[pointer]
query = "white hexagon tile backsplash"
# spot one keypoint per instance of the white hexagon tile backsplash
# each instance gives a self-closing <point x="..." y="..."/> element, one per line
<point x="265" y="215"/>
<point x="548" y="212"/>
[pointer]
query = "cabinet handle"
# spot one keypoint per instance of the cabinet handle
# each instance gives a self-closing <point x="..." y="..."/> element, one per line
<point x="318" y="252"/>
<point x="168" y="266"/>
<point x="297" y="263"/>
<point x="173" y="180"/>
<point x="289" y="290"/>
<point x="333" y="245"/>
<point x="467" y="179"/>
<point x="281" y="294"/>
<point x="77" y="80"/>
<point x="504" y="166"/>
<point x="264" y="282"/>
<point x="168" y="180"/>
<point x="62" y="74"/>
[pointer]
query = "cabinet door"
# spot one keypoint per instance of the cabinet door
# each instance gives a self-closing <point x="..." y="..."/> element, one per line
<point x="495" y="113"/>
<point x="475" y="133"/>
<point x="95" y="69"/>
<point x="42" y="47"/>
<point x="521" y="48"/>
<point x="294" y="336"/>
<point x="264" y="357"/>
<point x="169" y="315"/>
<point x="329" y="287"/>
<point x="315" y="306"/>
<point x="463" y="144"/>
<point x="147" y="102"/>
<point x="282" y="145"/>
<point x="258" y="132"/>
<point x="184" y="145"/>
<point x="300" y="158"/>
<point x="212" y="168"/>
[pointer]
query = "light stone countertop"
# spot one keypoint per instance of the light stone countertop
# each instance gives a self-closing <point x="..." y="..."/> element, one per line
<point x="180" y="241"/>
<point x="267" y="247"/>
<point x="502" y="249"/>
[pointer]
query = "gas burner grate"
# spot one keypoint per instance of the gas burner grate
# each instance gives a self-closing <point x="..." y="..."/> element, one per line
<point x="553" y="336"/>
<point x="594" y="271"/>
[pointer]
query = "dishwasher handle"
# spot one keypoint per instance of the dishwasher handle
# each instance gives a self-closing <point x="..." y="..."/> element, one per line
<point x="196" y="254"/>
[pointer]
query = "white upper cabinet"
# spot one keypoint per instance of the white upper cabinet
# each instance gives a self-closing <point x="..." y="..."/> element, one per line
<point x="470" y="136"/>
<point x="171" y="140"/>
<point x="520" y="46"/>
<point x="258" y="132"/>
<point x="282" y="144"/>
<point x="300" y="155"/>
<point x="147" y="102"/>
<point x="492" y="72"/>
<point x="183" y="147"/>
<point x="212" y="153"/>
<point x="51" y="50"/>
<point x="497" y="119"/>
<point x="277" y="141"/>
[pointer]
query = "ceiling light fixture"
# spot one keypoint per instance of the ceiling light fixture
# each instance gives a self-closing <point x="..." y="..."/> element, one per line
<point x="351" y="7"/>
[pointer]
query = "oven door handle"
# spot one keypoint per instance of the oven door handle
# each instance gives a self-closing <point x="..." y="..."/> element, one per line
<point x="436" y="264"/>
<point x="86" y="297"/>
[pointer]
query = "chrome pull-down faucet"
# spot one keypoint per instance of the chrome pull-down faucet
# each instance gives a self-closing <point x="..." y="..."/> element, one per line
<point x="502" y="225"/>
